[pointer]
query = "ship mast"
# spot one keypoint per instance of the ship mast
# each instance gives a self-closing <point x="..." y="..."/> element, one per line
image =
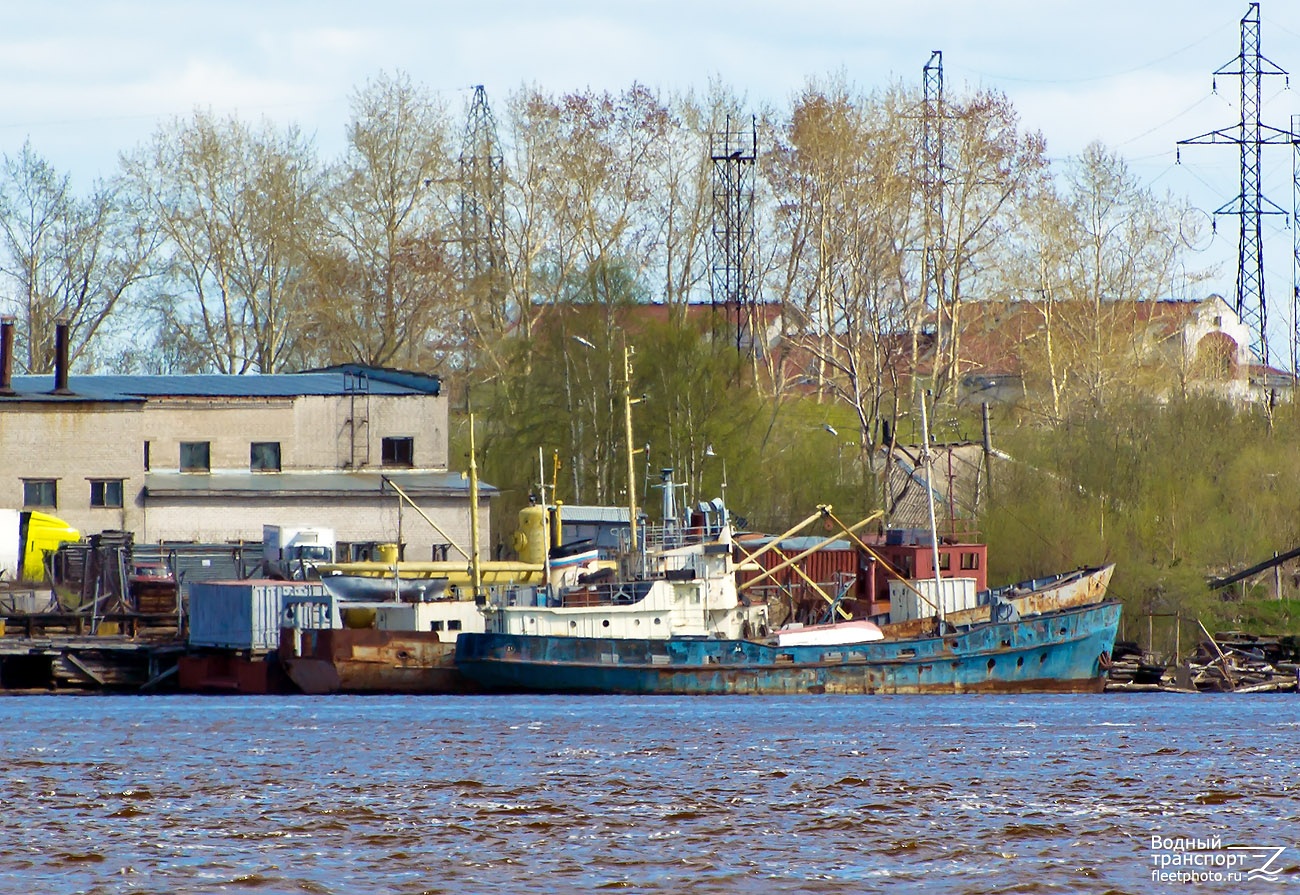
<point x="547" y="534"/>
<point x="631" y="453"/>
<point x="476" y="569"/>
<point x="929" y="503"/>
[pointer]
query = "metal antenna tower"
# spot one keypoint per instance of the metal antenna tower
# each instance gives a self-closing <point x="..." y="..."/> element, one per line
<point x="932" y="174"/>
<point x="1250" y="134"/>
<point x="1295" y="249"/>
<point x="734" y="154"/>
<point x="933" y="266"/>
<point x="482" y="209"/>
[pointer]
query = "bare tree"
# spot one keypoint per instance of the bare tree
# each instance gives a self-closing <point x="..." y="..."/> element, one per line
<point x="585" y="190"/>
<point x="842" y="181"/>
<point x="989" y="168"/>
<point x="384" y="287"/>
<point x="1126" y="252"/>
<point x="238" y="209"/>
<point x="66" y="259"/>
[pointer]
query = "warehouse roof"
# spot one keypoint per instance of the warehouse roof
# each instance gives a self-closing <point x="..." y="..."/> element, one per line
<point x="345" y="379"/>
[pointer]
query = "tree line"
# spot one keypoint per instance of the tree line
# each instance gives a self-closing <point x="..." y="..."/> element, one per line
<point x="519" y="262"/>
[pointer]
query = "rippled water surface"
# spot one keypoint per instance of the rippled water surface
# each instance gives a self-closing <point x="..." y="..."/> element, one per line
<point x="577" y="794"/>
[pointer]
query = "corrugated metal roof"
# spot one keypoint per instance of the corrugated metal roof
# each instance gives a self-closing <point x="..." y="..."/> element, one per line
<point x="341" y="380"/>
<point x="333" y="482"/>
<point x="578" y="513"/>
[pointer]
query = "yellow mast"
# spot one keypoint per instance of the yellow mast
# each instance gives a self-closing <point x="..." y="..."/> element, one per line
<point x="631" y="453"/>
<point x="476" y="571"/>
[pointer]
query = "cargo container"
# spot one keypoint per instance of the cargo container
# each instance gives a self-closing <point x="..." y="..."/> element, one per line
<point x="921" y="597"/>
<point x="248" y="615"/>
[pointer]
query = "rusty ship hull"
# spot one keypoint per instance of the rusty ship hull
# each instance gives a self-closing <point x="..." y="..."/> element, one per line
<point x="1066" y="650"/>
<point x="365" y="660"/>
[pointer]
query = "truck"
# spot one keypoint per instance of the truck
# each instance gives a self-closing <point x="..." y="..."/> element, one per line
<point x="290" y="552"/>
<point x="26" y="537"/>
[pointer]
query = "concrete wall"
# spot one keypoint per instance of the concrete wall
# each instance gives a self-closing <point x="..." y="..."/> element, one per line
<point x="353" y="519"/>
<point x="72" y="443"/>
<point x="314" y="432"/>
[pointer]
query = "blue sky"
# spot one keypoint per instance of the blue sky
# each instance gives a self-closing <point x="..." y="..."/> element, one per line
<point x="86" y="80"/>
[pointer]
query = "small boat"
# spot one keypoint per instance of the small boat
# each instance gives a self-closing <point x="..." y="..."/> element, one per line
<point x="354" y="588"/>
<point x="366" y="660"/>
<point x="829" y="635"/>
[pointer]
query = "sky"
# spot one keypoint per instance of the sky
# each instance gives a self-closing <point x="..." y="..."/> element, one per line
<point x="85" y="80"/>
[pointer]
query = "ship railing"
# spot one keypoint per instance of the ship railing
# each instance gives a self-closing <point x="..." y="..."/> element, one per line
<point x="614" y="593"/>
<point x="669" y="536"/>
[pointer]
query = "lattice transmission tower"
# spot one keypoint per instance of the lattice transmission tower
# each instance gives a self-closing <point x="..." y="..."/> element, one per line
<point x="1295" y="249"/>
<point x="1250" y="135"/>
<point x="933" y="176"/>
<point x="733" y="283"/>
<point x="933" y="258"/>
<point x="482" y="211"/>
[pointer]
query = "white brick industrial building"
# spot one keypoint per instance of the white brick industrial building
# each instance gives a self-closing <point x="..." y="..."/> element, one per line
<point x="212" y="458"/>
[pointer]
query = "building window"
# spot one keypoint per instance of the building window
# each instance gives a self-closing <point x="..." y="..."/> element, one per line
<point x="399" y="451"/>
<point x="970" y="561"/>
<point x="357" y="551"/>
<point x="146" y="456"/>
<point x="264" y="456"/>
<point x="195" y="456"/>
<point x="40" y="493"/>
<point x="106" y="492"/>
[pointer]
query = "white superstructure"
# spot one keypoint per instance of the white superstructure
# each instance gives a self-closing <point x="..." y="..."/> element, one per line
<point x="681" y="584"/>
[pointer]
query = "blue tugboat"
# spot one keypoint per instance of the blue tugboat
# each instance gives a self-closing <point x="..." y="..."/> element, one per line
<point x="673" y="620"/>
<point x="1062" y="651"/>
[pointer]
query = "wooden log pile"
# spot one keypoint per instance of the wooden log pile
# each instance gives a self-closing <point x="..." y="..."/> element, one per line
<point x="1230" y="662"/>
<point x="1244" y="663"/>
<point x="1133" y="670"/>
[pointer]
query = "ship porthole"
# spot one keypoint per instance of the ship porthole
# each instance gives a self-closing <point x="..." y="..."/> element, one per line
<point x="636" y="621"/>
<point x="992" y="662"/>
<point x="656" y="621"/>
<point x="1020" y="663"/>
<point x="573" y="624"/>
<point x="605" y="623"/>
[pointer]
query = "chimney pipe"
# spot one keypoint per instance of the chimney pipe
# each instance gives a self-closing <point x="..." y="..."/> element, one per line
<point x="61" y="358"/>
<point x="6" y="355"/>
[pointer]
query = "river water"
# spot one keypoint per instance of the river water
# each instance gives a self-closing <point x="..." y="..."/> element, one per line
<point x="666" y="795"/>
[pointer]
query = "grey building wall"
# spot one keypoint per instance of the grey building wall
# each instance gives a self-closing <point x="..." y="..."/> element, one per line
<point x="76" y="441"/>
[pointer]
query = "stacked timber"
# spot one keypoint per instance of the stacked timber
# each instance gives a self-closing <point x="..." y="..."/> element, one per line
<point x="1133" y="670"/>
<point x="1230" y="662"/>
<point x="1244" y="663"/>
